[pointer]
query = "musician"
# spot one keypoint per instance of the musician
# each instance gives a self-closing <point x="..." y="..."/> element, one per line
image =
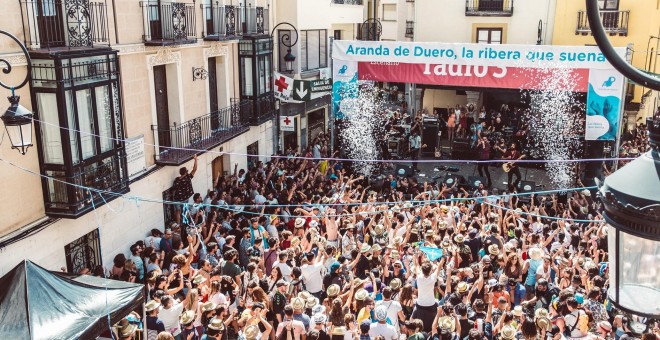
<point x="415" y="142"/>
<point x="514" y="155"/>
<point x="483" y="149"/>
<point x="451" y="127"/>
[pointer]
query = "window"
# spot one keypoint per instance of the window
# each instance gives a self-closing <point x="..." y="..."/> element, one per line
<point x="608" y="4"/>
<point x="78" y="102"/>
<point x="389" y="12"/>
<point x="313" y="49"/>
<point x="489" y="36"/>
<point x="337" y="34"/>
<point x="84" y="252"/>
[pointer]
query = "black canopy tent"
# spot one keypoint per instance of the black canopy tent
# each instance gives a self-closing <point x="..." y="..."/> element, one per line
<point x="38" y="304"/>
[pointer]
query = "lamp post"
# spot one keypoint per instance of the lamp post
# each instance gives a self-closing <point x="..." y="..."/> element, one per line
<point x="631" y="199"/>
<point x="17" y="119"/>
<point x="289" y="58"/>
<point x="285" y="40"/>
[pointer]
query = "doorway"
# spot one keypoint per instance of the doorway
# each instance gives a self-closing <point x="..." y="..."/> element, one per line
<point x="50" y="23"/>
<point x="253" y="155"/>
<point x="217" y="167"/>
<point x="162" y="108"/>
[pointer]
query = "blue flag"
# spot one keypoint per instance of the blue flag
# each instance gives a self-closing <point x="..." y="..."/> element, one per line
<point x="432" y="253"/>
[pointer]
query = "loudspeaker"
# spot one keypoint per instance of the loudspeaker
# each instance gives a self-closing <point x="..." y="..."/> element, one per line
<point x="461" y="149"/>
<point x="430" y="138"/>
<point x="450" y="179"/>
<point x="474" y="181"/>
<point x="525" y="187"/>
<point x="403" y="171"/>
<point x="376" y="183"/>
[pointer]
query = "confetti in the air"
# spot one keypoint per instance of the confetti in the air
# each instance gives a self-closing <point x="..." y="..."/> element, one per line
<point x="363" y="110"/>
<point x="555" y="124"/>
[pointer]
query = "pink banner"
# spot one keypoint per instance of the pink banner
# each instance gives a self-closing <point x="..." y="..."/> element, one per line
<point x="466" y="75"/>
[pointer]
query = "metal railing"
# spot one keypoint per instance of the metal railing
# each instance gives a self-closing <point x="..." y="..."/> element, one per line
<point x="369" y="31"/>
<point x="347" y="2"/>
<point x="59" y="23"/>
<point x="108" y="174"/>
<point x="229" y="21"/>
<point x="488" y="7"/>
<point x="165" y="23"/>
<point x="410" y="29"/>
<point x="178" y="143"/>
<point x="614" y="22"/>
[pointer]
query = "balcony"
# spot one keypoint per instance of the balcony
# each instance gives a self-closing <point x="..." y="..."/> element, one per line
<point x="347" y="2"/>
<point x="369" y="31"/>
<point x="227" y="22"/>
<point x="489" y="8"/>
<point x="178" y="143"/>
<point x="168" y="23"/>
<point x="59" y="24"/>
<point x="614" y="22"/>
<point x="262" y="110"/>
<point x="410" y="29"/>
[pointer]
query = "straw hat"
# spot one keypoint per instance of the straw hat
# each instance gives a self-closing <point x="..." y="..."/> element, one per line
<point x="365" y="248"/>
<point x="339" y="331"/>
<point x="605" y="325"/>
<point x="311" y="302"/>
<point x="508" y="332"/>
<point x="298" y="303"/>
<point x="376" y="247"/>
<point x="319" y="318"/>
<point x="493" y="249"/>
<point x="209" y="306"/>
<point x="295" y="241"/>
<point x="318" y="309"/>
<point x="349" y="226"/>
<point x="543" y="322"/>
<point x="462" y="287"/>
<point x="361" y="294"/>
<point x="562" y="261"/>
<point x="187" y="317"/>
<point x="333" y="290"/>
<point x="445" y="244"/>
<point x="517" y="311"/>
<point x="447" y="323"/>
<point x="216" y="324"/>
<point x="395" y="284"/>
<point x="198" y="279"/>
<point x="304" y="295"/>
<point x="151" y="305"/>
<point x="125" y="328"/>
<point x="407" y="205"/>
<point x="300" y="222"/>
<point x="426" y="223"/>
<point x="251" y="332"/>
<point x="442" y="225"/>
<point x="444" y="208"/>
<point x="357" y="282"/>
<point x="535" y="253"/>
<point x="459" y="238"/>
<point x="379" y="229"/>
<point x="397" y="240"/>
<point x="429" y="233"/>
<point x="541" y="313"/>
<point x="394" y="254"/>
<point x="380" y="313"/>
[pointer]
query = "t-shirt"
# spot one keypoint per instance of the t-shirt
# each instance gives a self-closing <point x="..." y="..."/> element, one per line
<point x="231" y="269"/>
<point x="152" y="241"/>
<point x="297" y="327"/>
<point x="387" y="331"/>
<point x="285" y="269"/>
<point x="156" y="324"/>
<point x="393" y="309"/>
<point x="170" y="318"/>
<point x="425" y="290"/>
<point x="313" y="277"/>
<point x="182" y="188"/>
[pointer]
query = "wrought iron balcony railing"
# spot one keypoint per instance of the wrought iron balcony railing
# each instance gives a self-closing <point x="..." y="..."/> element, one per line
<point x="168" y="23"/>
<point x="499" y="8"/>
<point x="177" y="144"/>
<point x="369" y="31"/>
<point x="614" y="22"/>
<point x="222" y="21"/>
<point x="410" y="29"/>
<point x="51" y="24"/>
<point x="347" y="2"/>
<point x="264" y="109"/>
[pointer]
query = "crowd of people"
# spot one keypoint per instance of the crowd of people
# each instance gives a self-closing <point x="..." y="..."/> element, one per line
<point x="298" y="250"/>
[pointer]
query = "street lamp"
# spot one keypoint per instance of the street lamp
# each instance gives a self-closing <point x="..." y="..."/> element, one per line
<point x="285" y="40"/>
<point x="631" y="198"/>
<point x="17" y="119"/>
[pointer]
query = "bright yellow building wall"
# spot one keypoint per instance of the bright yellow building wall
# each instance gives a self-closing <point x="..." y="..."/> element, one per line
<point x="643" y="22"/>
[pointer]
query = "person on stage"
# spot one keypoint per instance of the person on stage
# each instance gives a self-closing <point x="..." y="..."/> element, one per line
<point x="513" y="155"/>
<point x="483" y="149"/>
<point x="415" y="141"/>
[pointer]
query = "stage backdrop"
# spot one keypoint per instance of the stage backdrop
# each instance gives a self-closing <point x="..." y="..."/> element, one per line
<point x="474" y="65"/>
